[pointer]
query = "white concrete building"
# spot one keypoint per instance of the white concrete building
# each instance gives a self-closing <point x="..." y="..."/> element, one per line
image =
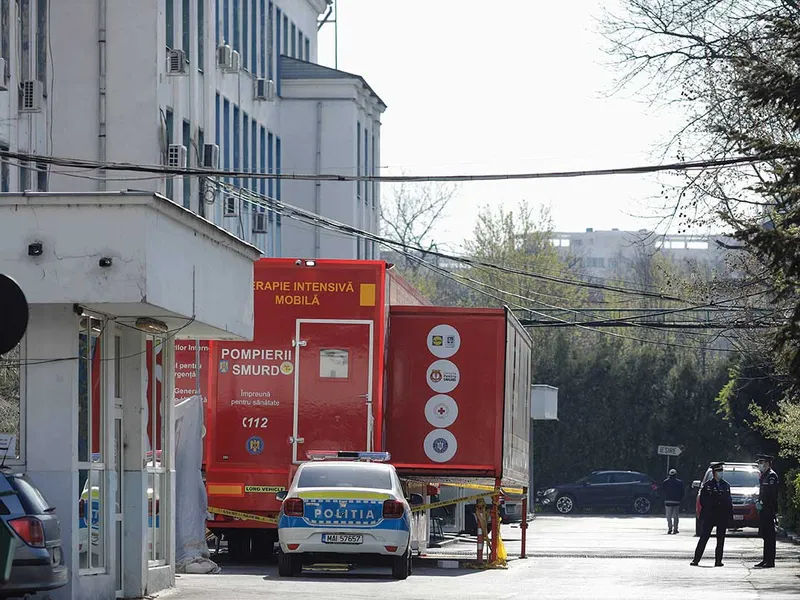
<point x="164" y="82"/>
<point x="610" y="255"/>
<point x="199" y="83"/>
<point x="112" y="278"/>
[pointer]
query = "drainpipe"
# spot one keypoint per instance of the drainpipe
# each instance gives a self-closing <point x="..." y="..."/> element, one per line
<point x="102" y="89"/>
<point x="318" y="183"/>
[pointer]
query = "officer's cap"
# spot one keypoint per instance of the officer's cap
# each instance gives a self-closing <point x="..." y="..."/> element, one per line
<point x="717" y="466"/>
<point x="673" y="472"/>
<point x="765" y="457"/>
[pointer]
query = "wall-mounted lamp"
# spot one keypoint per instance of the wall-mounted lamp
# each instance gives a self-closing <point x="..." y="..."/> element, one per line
<point x="149" y="325"/>
<point x="35" y="249"/>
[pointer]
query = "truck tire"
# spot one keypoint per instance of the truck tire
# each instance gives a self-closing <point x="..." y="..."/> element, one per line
<point x="289" y="565"/>
<point x="401" y="565"/>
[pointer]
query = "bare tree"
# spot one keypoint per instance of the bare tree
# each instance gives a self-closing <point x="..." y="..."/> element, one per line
<point x="411" y="214"/>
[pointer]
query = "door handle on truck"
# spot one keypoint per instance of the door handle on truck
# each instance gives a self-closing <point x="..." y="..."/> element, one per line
<point x="294" y="440"/>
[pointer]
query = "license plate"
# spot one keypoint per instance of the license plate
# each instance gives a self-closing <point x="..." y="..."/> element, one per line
<point x="738" y="517"/>
<point x="342" y="538"/>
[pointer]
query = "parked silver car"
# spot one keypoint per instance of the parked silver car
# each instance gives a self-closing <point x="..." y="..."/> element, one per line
<point x="38" y="561"/>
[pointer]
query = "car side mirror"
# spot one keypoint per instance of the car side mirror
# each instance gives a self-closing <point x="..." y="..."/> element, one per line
<point x="416" y="500"/>
<point x="281" y="496"/>
<point x="696" y="484"/>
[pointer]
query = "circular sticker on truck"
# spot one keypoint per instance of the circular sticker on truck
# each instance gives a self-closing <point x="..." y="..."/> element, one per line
<point x="440" y="445"/>
<point x="441" y="411"/>
<point x="443" y="341"/>
<point x="443" y="376"/>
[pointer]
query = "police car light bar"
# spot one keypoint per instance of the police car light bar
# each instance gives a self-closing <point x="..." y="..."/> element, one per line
<point x="348" y="454"/>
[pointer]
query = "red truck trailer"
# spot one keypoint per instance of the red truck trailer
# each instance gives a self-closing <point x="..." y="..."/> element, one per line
<point x="458" y="394"/>
<point x="311" y="379"/>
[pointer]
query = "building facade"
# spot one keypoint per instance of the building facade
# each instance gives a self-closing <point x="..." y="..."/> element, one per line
<point x="227" y="84"/>
<point x="216" y="84"/>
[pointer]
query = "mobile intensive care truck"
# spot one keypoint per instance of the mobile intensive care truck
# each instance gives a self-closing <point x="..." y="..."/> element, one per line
<point x="311" y="379"/>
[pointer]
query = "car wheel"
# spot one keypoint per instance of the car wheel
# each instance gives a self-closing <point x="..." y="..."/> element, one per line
<point x="565" y="504"/>
<point x="642" y="505"/>
<point x="401" y="565"/>
<point x="289" y="565"/>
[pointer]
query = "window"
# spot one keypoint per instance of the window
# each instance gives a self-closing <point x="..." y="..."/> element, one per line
<point x="201" y="33"/>
<point x="5" y="171"/>
<point x="24" y="176"/>
<point x="278" y="195"/>
<point x="41" y="40"/>
<point x="254" y="22"/>
<point x="277" y="50"/>
<point x="42" y="179"/>
<point x="294" y="42"/>
<point x="24" y="7"/>
<point x="158" y="355"/>
<point x="285" y="35"/>
<point x="218" y="22"/>
<point x="253" y="155"/>
<point x="262" y="146"/>
<point x="246" y="36"/>
<point x="237" y="132"/>
<point x="332" y="475"/>
<point x="266" y="38"/>
<point x="226" y="134"/>
<point x="11" y="398"/>
<point x="236" y="24"/>
<point x="366" y="167"/>
<point x="5" y="34"/>
<point x="333" y="363"/>
<point x="169" y="132"/>
<point x="374" y="172"/>
<point x="170" y="16"/>
<point x="185" y="30"/>
<point x="358" y="159"/>
<point x="91" y="456"/>
<point x="226" y="21"/>
<point x="308" y="50"/>
<point x="245" y="146"/>
<point x="187" y="181"/>
<point x="271" y="165"/>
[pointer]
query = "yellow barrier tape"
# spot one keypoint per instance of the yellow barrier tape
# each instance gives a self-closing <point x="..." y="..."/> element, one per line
<point x="477" y="486"/>
<point x="242" y="516"/>
<point x="422" y="507"/>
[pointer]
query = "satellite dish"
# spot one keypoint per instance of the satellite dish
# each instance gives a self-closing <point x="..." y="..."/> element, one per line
<point x="13" y="314"/>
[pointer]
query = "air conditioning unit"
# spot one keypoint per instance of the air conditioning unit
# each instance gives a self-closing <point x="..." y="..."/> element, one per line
<point x="236" y="62"/>
<point x="176" y="62"/>
<point x="231" y="207"/>
<point x="260" y="222"/>
<point x="265" y="90"/>
<point x="224" y="57"/>
<point x="211" y="156"/>
<point x="176" y="156"/>
<point x="3" y="75"/>
<point x="31" y="96"/>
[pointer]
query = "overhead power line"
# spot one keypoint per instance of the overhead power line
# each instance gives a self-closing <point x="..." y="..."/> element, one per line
<point x="198" y="171"/>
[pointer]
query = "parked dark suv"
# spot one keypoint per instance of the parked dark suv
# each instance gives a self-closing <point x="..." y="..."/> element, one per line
<point x="38" y="563"/>
<point x="628" y="490"/>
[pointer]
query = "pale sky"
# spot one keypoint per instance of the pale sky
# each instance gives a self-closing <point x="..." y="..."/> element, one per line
<point x="508" y="86"/>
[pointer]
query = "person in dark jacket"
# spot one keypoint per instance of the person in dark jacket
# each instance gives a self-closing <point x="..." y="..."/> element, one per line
<point x="716" y="510"/>
<point x="673" y="491"/>
<point x="767" y="506"/>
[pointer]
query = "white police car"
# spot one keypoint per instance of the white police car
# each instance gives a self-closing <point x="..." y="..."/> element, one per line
<point x="345" y="506"/>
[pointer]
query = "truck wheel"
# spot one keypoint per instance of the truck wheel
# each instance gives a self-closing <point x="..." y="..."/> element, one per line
<point x="401" y="565"/>
<point x="289" y="565"/>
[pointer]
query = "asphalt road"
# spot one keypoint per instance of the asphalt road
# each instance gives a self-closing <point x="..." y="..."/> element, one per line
<point x="581" y="557"/>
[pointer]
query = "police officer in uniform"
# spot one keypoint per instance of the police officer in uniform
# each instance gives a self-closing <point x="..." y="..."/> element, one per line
<point x="767" y="506"/>
<point x="716" y="510"/>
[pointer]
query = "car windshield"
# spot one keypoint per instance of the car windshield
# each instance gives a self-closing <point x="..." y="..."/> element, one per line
<point x="741" y="478"/>
<point x="358" y="476"/>
<point x="32" y="500"/>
